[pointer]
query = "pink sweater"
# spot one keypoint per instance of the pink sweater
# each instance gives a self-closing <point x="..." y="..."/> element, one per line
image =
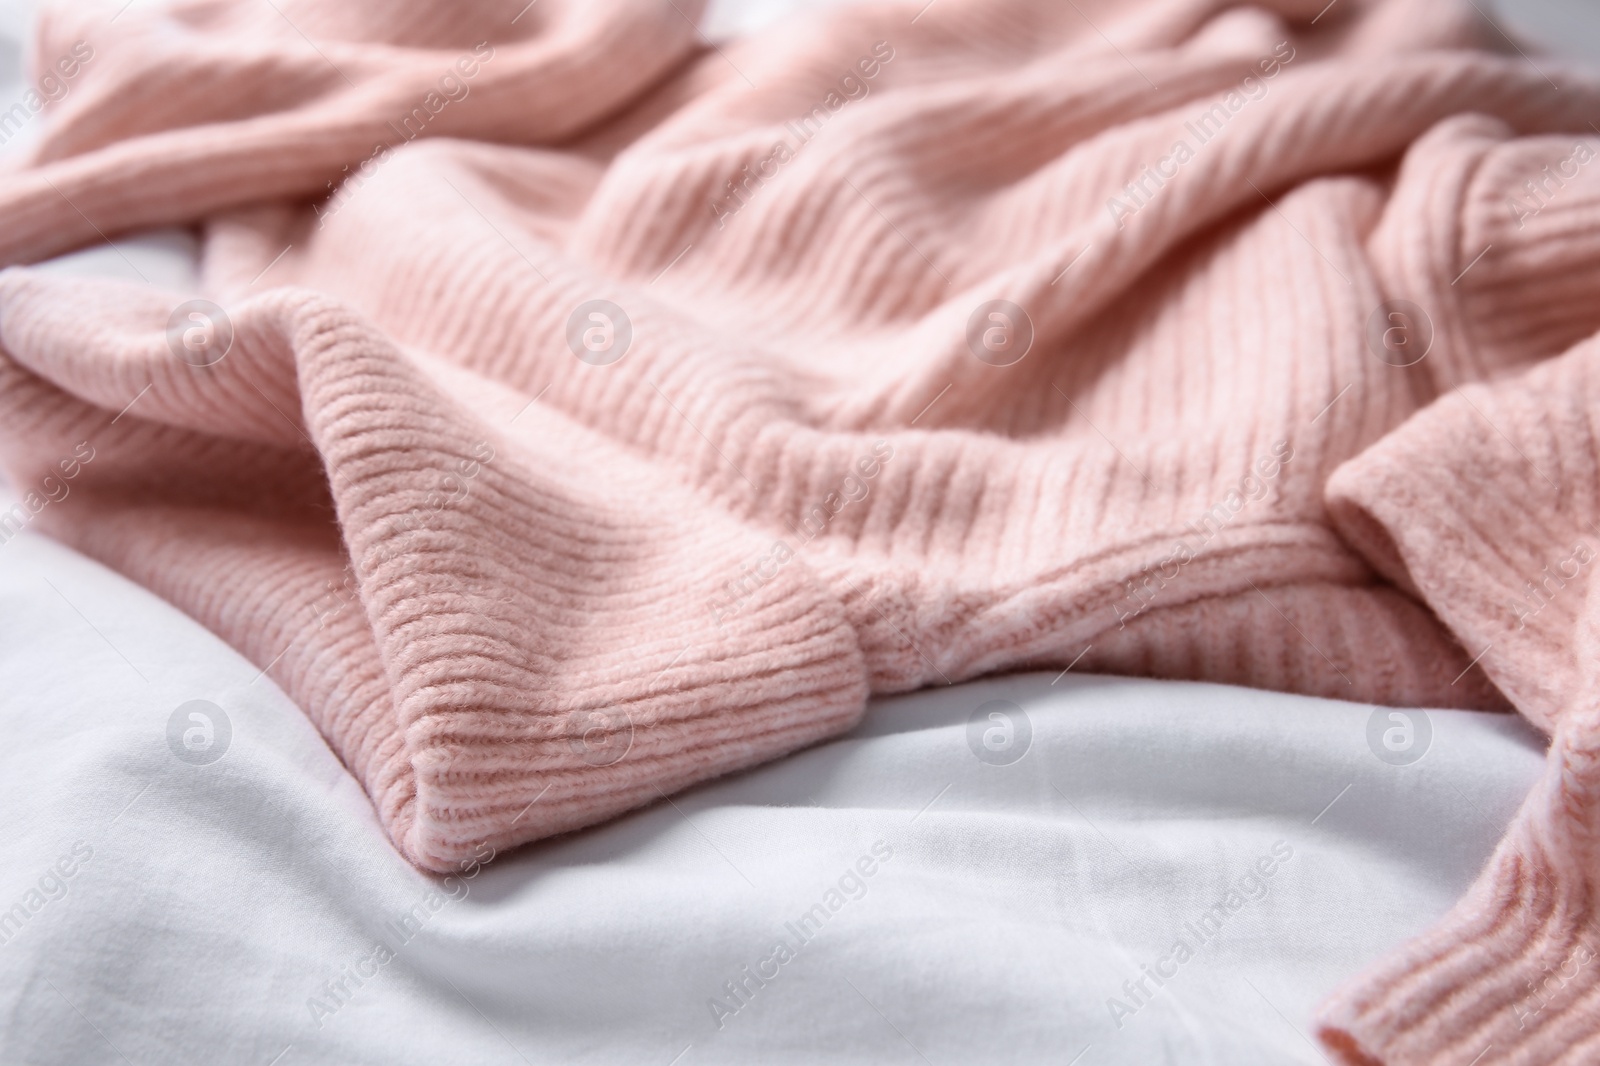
<point x="634" y="409"/>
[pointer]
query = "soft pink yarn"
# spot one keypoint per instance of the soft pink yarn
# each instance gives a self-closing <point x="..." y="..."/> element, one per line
<point x="521" y="586"/>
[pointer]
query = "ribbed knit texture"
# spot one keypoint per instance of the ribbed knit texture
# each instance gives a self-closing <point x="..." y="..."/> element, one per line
<point x="520" y="591"/>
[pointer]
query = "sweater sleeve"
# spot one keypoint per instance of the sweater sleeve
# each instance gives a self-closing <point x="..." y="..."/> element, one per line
<point x="1484" y="505"/>
<point x="505" y="626"/>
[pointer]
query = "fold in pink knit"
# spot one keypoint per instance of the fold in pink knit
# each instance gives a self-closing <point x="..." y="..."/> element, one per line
<point x="1285" y="407"/>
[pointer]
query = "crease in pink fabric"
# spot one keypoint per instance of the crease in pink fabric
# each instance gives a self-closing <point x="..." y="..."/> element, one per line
<point x="581" y="413"/>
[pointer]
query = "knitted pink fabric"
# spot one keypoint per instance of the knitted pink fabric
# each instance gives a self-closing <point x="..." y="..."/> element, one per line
<point x="596" y="412"/>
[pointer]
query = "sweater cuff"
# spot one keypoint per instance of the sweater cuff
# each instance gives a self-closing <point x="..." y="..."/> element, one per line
<point x="514" y="629"/>
<point x="563" y="641"/>
<point x="1484" y="506"/>
<point x="1511" y="975"/>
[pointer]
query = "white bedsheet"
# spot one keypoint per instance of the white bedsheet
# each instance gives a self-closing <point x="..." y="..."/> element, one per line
<point x="217" y="899"/>
<point x="211" y="905"/>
